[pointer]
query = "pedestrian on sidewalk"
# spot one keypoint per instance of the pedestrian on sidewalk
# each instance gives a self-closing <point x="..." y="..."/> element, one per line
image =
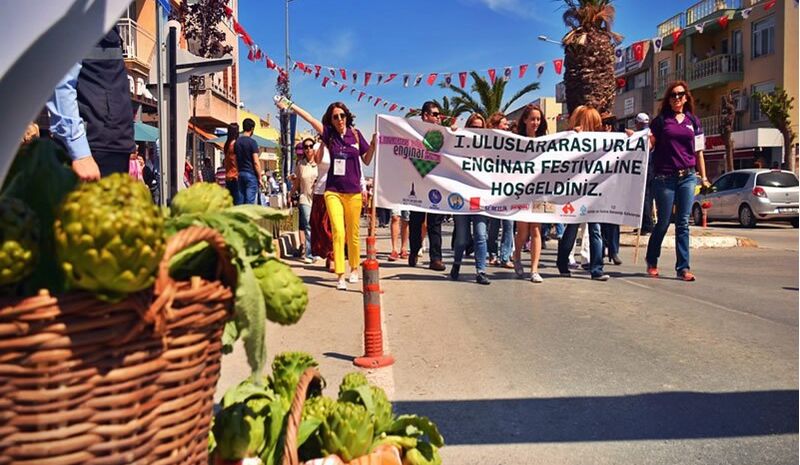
<point x="531" y="124"/>
<point x="321" y="234"/>
<point x="247" y="164"/>
<point x="503" y="258"/>
<point x="678" y="142"/>
<point x="229" y="163"/>
<point x="583" y="118"/>
<point x="303" y="189"/>
<point x="348" y="149"/>
<point x="461" y="235"/>
<point x="398" y="233"/>
<point x="431" y="113"/>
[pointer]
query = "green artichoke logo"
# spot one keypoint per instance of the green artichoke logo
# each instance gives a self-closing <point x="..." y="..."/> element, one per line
<point x="433" y="140"/>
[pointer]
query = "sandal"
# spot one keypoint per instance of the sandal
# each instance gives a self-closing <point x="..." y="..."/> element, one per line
<point x="687" y="276"/>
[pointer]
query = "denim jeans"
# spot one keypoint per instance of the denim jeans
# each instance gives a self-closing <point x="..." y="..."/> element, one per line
<point x="670" y="191"/>
<point x="610" y="234"/>
<point x="506" y="241"/>
<point x="567" y="241"/>
<point x="546" y="229"/>
<point x="479" y="233"/>
<point x="305" y="225"/>
<point x="233" y="188"/>
<point x="248" y="187"/>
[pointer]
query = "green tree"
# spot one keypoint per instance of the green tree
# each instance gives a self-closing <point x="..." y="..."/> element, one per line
<point x="727" y="120"/>
<point x="777" y="107"/>
<point x="490" y="97"/>
<point x="447" y="108"/>
<point x="589" y="54"/>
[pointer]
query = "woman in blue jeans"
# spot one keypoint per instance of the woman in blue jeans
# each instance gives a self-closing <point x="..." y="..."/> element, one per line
<point x="479" y="224"/>
<point x="499" y="121"/>
<point x="678" y="143"/>
<point x="583" y="118"/>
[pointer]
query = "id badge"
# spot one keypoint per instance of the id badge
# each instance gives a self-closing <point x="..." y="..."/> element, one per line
<point x="699" y="142"/>
<point x="339" y="167"/>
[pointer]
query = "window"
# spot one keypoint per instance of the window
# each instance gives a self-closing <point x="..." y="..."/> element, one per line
<point x="736" y="42"/>
<point x="724" y="183"/>
<point x="776" y="179"/>
<point x="679" y="62"/>
<point x="723" y="49"/>
<point x="764" y="88"/>
<point x="740" y="180"/>
<point x="764" y="37"/>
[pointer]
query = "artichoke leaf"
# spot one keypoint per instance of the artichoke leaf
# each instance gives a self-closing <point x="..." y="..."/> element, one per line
<point x="423" y="424"/>
<point x="423" y="454"/>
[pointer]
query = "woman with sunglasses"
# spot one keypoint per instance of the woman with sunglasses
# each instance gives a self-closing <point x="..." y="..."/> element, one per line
<point x="306" y="174"/>
<point x="678" y="142"/>
<point x="479" y="227"/>
<point x="531" y="124"/>
<point x="348" y="149"/>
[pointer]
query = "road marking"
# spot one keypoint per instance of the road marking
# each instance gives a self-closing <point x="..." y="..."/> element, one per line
<point x="701" y="301"/>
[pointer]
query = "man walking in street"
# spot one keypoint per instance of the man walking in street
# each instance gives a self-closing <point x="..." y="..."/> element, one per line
<point x="431" y="113"/>
<point x="247" y="162"/>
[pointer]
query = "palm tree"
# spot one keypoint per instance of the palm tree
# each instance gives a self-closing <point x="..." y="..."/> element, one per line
<point x="490" y="96"/>
<point x="447" y="108"/>
<point x="589" y="54"/>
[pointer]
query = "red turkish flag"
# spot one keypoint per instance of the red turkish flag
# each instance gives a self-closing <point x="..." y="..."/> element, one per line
<point x="768" y="6"/>
<point x="344" y="73"/>
<point x="343" y="87"/>
<point x="621" y="82"/>
<point x="325" y="81"/>
<point x="638" y="51"/>
<point x="432" y="78"/>
<point x="492" y="75"/>
<point x="270" y="64"/>
<point x="361" y="95"/>
<point x="558" y="64"/>
<point x="462" y="78"/>
<point x="393" y="107"/>
<point x="367" y="76"/>
<point x="522" y="70"/>
<point x="723" y="21"/>
<point x="391" y="76"/>
<point x="676" y="35"/>
<point x="377" y="101"/>
<point x="318" y="68"/>
<point x="302" y="66"/>
<point x="251" y="56"/>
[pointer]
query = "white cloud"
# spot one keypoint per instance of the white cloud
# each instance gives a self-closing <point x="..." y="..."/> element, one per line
<point x="516" y="7"/>
<point x="331" y="52"/>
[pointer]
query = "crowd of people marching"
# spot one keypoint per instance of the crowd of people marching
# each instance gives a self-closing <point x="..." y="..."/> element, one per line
<point x="329" y="188"/>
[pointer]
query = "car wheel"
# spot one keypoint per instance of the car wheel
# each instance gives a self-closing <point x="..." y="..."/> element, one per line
<point x="794" y="222"/>
<point x="746" y="217"/>
<point x="697" y="215"/>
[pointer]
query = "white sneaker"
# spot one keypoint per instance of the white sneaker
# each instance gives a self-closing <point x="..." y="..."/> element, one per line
<point x="308" y="260"/>
<point x="341" y="285"/>
<point x="353" y="277"/>
<point x="536" y="278"/>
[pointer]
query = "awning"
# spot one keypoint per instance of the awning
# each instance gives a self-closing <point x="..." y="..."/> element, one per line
<point x="205" y="135"/>
<point x="144" y="132"/>
<point x="263" y="143"/>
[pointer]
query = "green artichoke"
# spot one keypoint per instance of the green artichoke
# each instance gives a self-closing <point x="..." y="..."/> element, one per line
<point x="201" y="197"/>
<point x="287" y="367"/>
<point x="285" y="295"/>
<point x="346" y="431"/>
<point x="110" y="237"/>
<point x="383" y="416"/>
<point x="373" y="398"/>
<point x="19" y="240"/>
<point x="352" y="380"/>
<point x="315" y="408"/>
<point x="240" y="430"/>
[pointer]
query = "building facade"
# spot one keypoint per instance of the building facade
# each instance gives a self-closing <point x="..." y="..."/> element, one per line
<point x="754" y="50"/>
<point x="550" y="108"/>
<point x="635" y="85"/>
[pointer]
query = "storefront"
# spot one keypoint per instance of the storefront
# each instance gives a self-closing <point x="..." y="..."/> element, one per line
<point x="753" y="148"/>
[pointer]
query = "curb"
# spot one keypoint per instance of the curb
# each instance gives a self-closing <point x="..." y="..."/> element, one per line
<point x="695" y="242"/>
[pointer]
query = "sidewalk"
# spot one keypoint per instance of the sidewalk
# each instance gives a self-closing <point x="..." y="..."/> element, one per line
<point x="700" y="239"/>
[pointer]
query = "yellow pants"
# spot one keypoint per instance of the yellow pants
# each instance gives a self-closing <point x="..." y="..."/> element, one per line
<point x="344" y="211"/>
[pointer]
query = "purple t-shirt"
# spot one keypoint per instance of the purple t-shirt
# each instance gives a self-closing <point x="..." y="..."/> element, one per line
<point x="345" y="158"/>
<point x="674" y="149"/>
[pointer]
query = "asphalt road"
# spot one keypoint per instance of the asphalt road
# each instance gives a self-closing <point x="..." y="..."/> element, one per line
<point x="635" y="370"/>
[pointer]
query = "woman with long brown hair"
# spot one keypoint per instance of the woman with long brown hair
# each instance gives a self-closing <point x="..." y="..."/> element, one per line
<point x="503" y="258"/>
<point x="583" y="118"/>
<point x="348" y="149"/>
<point x="678" y="142"/>
<point x="531" y="124"/>
<point x="229" y="162"/>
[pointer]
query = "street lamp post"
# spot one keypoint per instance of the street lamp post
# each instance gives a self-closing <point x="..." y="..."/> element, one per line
<point x="547" y="39"/>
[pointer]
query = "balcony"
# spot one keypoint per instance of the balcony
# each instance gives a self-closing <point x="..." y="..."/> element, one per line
<point x="706" y="8"/>
<point x="662" y="81"/>
<point x="715" y="71"/>
<point x="138" y="45"/>
<point x="667" y="27"/>
<point x="711" y="124"/>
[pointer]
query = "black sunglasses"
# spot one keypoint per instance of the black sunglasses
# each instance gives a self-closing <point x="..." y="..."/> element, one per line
<point x="435" y="115"/>
<point x="308" y="146"/>
<point x="677" y="95"/>
<point x="339" y="116"/>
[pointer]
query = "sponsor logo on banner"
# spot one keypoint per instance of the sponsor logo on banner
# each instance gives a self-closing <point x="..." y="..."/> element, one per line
<point x="455" y="201"/>
<point x="584" y="210"/>
<point x="412" y="197"/>
<point x="542" y="207"/>
<point x="475" y="204"/>
<point x="519" y="207"/>
<point x="568" y="209"/>
<point x="434" y="196"/>
<point x="497" y="208"/>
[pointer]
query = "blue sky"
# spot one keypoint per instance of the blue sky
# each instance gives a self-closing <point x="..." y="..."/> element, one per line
<point x="414" y="36"/>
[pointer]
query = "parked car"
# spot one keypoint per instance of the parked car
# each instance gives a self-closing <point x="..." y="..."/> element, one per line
<point x="750" y="196"/>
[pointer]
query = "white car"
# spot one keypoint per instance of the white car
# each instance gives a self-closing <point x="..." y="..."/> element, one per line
<point x="750" y="196"/>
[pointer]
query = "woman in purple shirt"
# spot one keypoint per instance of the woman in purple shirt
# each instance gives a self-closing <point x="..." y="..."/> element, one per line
<point x="348" y="149"/>
<point x="678" y="142"/>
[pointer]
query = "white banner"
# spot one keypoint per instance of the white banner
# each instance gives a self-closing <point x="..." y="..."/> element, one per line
<point x="568" y="177"/>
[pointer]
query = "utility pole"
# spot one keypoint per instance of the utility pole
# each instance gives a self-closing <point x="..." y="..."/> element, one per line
<point x="284" y="90"/>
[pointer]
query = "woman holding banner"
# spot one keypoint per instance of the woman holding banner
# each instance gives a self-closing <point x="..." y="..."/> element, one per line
<point x="531" y="124"/>
<point x="499" y="121"/>
<point x="348" y="149"/>
<point x="479" y="226"/>
<point x="678" y="142"/>
<point x="583" y="118"/>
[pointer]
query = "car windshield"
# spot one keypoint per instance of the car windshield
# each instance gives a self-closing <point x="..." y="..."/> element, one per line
<point x="776" y="179"/>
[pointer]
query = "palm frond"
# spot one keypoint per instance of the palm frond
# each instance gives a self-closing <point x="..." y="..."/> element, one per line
<point x="527" y="89"/>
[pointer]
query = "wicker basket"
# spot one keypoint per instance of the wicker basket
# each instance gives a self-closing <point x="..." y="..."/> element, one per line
<point x="382" y="455"/>
<point x="88" y="382"/>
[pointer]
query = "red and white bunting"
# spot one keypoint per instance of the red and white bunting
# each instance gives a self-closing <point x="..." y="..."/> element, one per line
<point x="539" y="69"/>
<point x="676" y="35"/>
<point x="492" y="75"/>
<point x="462" y="79"/>
<point x="723" y="21"/>
<point x="367" y="76"/>
<point x="558" y="64"/>
<point x="770" y="4"/>
<point x="522" y="70"/>
<point x="325" y="81"/>
<point x="432" y="78"/>
<point x="638" y="51"/>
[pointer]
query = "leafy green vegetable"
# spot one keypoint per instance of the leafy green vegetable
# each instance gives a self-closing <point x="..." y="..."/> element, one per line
<point x="423" y="454"/>
<point x="414" y="425"/>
